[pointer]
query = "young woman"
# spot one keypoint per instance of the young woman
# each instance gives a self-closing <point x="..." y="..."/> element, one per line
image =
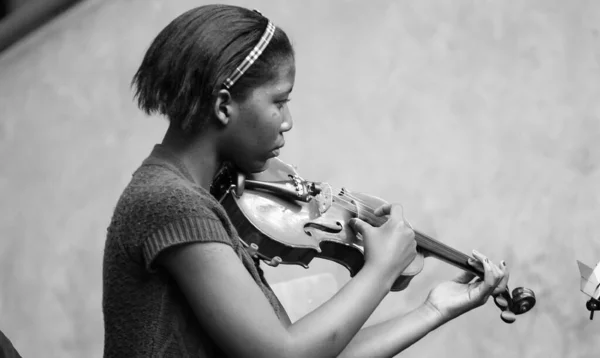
<point x="177" y="282"/>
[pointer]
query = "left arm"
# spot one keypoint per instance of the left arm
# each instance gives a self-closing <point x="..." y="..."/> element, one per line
<point x="391" y="337"/>
<point x="444" y="303"/>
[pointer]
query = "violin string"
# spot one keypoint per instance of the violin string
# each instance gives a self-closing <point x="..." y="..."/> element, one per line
<point x="369" y="213"/>
<point x="341" y="198"/>
<point x="434" y="246"/>
<point x="370" y="210"/>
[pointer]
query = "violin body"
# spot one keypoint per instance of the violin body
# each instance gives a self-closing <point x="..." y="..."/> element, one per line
<point x="284" y="219"/>
<point x="284" y="231"/>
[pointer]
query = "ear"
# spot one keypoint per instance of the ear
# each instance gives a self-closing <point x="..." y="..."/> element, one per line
<point x="223" y="108"/>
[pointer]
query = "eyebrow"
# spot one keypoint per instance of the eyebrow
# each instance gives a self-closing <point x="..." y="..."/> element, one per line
<point x="285" y="92"/>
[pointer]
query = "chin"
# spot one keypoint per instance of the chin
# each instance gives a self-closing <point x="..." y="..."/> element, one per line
<point x="254" y="167"/>
<point x="260" y="167"/>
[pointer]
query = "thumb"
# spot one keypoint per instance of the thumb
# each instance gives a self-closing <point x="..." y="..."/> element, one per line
<point x="358" y="225"/>
<point x="464" y="277"/>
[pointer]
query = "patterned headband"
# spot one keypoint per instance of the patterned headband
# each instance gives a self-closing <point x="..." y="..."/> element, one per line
<point x="253" y="56"/>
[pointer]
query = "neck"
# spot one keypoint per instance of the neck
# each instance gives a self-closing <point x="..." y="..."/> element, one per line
<point x="432" y="247"/>
<point x="198" y="153"/>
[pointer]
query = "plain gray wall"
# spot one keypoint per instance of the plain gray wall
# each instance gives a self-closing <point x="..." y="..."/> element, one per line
<point x="481" y="117"/>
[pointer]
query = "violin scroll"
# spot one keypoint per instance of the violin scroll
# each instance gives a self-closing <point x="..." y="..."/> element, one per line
<point x="522" y="300"/>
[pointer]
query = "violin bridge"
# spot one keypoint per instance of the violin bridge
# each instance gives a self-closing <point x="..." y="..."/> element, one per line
<point x="350" y="200"/>
<point x="325" y="198"/>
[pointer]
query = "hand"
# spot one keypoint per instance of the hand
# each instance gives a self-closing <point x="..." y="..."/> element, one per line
<point x="391" y="246"/>
<point x="453" y="298"/>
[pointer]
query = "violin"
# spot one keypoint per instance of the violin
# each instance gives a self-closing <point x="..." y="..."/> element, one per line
<point x="283" y="219"/>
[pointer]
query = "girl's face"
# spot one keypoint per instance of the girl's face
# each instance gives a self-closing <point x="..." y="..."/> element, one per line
<point x="255" y="133"/>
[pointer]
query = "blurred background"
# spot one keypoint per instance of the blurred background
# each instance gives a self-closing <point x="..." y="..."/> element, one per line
<point x="481" y="117"/>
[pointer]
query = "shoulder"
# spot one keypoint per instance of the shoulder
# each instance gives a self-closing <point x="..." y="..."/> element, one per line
<point x="158" y="196"/>
<point x="158" y="185"/>
<point x="160" y="209"/>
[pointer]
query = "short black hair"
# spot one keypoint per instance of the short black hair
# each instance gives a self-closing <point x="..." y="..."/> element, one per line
<point x="188" y="62"/>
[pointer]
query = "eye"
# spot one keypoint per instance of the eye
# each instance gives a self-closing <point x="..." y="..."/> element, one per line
<point x="281" y="104"/>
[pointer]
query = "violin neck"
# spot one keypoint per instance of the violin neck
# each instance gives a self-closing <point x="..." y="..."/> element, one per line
<point x="432" y="247"/>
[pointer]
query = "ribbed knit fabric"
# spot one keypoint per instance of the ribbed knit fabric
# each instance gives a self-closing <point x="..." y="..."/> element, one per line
<point x="145" y="313"/>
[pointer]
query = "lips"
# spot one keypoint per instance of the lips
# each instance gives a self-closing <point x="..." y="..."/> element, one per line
<point x="275" y="152"/>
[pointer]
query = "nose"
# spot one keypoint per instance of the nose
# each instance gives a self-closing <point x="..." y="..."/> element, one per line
<point x="287" y="123"/>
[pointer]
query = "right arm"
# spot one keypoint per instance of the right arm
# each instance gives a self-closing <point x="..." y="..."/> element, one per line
<point x="232" y="308"/>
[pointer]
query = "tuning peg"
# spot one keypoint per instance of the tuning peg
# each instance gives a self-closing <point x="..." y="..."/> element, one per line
<point x="501" y="302"/>
<point x="507" y="316"/>
<point x="523" y="300"/>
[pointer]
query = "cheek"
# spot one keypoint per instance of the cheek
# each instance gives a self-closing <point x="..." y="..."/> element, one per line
<point x="269" y="126"/>
<point x="261" y="125"/>
<point x="275" y="121"/>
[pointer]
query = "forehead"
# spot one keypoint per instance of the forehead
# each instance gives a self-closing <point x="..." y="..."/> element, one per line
<point x="283" y="82"/>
